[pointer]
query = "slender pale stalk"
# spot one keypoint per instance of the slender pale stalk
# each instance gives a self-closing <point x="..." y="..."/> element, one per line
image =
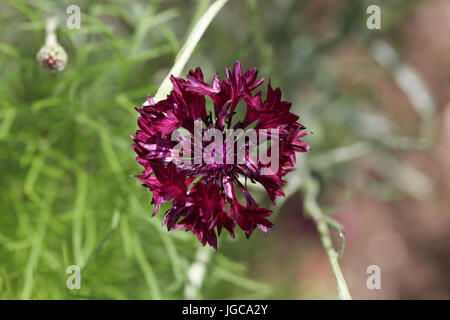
<point x="324" y="233"/>
<point x="312" y="208"/>
<point x="196" y="273"/>
<point x="187" y="49"/>
<point x="50" y="31"/>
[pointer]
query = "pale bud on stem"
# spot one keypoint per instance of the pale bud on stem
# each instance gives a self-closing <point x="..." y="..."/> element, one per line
<point x="52" y="56"/>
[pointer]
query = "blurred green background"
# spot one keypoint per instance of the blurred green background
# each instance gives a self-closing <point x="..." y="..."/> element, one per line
<point x="380" y="149"/>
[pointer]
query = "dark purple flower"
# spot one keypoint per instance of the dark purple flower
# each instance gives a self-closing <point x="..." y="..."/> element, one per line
<point x="204" y="194"/>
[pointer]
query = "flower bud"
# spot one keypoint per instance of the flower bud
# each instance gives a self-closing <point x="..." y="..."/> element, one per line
<point x="52" y="57"/>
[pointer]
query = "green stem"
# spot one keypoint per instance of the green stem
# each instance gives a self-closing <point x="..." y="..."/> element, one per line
<point x="189" y="46"/>
<point x="313" y="209"/>
<point x="324" y="233"/>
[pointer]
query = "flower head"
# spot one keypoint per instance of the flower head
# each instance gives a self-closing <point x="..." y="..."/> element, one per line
<point x="207" y="184"/>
